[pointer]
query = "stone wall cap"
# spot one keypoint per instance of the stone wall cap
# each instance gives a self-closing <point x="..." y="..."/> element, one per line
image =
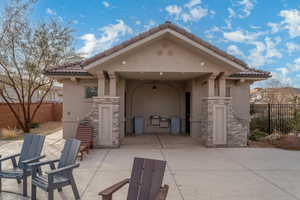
<point x="106" y="97"/>
<point x="217" y="98"/>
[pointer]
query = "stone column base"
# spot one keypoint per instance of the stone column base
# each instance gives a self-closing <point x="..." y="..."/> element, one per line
<point x="104" y="118"/>
<point x="236" y="129"/>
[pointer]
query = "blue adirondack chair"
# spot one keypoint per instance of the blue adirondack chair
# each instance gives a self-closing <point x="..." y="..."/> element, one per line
<point x="31" y="152"/>
<point x="58" y="177"/>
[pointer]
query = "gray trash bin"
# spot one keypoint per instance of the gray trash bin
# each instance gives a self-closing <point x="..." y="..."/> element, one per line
<point x="139" y="125"/>
<point x="175" y="125"/>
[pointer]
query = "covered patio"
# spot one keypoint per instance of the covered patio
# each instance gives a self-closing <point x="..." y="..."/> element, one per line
<point x="164" y="80"/>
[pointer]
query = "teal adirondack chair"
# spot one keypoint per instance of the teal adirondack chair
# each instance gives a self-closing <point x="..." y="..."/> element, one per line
<point x="58" y="177"/>
<point x="31" y="152"/>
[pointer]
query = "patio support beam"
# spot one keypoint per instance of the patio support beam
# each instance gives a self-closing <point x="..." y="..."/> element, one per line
<point x="211" y="85"/>
<point x="101" y="84"/>
<point x="222" y="84"/>
<point x="112" y="84"/>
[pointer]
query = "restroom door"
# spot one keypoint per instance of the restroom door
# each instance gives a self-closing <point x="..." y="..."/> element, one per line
<point x="187" y="112"/>
<point x="219" y="125"/>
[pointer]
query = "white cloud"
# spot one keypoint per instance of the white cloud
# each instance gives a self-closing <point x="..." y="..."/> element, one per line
<point x="150" y="24"/>
<point x="232" y="13"/>
<point x="50" y="11"/>
<point x="210" y="32"/>
<point x="291" y="21"/>
<point x="264" y="52"/>
<point x="106" y="4"/>
<point x="274" y="27"/>
<point x="284" y="71"/>
<point x="282" y="74"/>
<point x="193" y="3"/>
<point x="240" y="36"/>
<point x="241" y="9"/>
<point x="174" y="10"/>
<point x="248" y="6"/>
<point x="292" y="47"/>
<point x="198" y="13"/>
<point x="75" y="21"/>
<point x="295" y="66"/>
<point x="234" y="50"/>
<point x="271" y="50"/>
<point x="191" y="11"/>
<point x="137" y="22"/>
<point x="109" y="35"/>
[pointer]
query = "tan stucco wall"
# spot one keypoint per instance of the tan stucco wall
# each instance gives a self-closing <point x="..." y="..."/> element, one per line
<point x="75" y="105"/>
<point x="199" y="90"/>
<point x="167" y="55"/>
<point x="240" y="93"/>
<point x="167" y="101"/>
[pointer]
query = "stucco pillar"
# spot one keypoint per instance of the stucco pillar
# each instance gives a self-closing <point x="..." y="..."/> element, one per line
<point x="211" y="86"/>
<point x="222" y="87"/>
<point x="101" y="84"/>
<point x="195" y="109"/>
<point x="112" y="84"/>
<point x="121" y="93"/>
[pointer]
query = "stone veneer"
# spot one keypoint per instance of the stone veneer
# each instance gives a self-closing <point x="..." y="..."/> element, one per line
<point x="237" y="129"/>
<point x="112" y="103"/>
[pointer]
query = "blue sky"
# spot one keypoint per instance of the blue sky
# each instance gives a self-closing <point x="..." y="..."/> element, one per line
<point x="264" y="33"/>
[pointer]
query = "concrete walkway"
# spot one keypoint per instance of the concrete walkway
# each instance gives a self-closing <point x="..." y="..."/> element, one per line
<point x="193" y="172"/>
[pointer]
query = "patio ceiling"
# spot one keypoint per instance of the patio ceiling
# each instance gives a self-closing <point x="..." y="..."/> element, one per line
<point x="161" y="75"/>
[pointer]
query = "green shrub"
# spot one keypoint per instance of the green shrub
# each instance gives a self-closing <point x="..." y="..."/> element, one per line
<point x="260" y="123"/>
<point x="297" y="121"/>
<point x="257" y="135"/>
<point x="280" y="125"/>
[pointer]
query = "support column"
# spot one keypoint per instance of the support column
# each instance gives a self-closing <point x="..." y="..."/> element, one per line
<point x="222" y="127"/>
<point x="122" y="86"/>
<point x="101" y="84"/>
<point x="222" y="87"/>
<point x="112" y="84"/>
<point x="211" y="85"/>
<point x="195" y="118"/>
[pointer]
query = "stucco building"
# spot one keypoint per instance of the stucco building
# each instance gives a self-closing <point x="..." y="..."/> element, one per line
<point x="165" y="73"/>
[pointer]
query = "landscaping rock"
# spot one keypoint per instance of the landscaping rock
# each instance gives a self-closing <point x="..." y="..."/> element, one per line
<point x="289" y="142"/>
<point x="272" y="137"/>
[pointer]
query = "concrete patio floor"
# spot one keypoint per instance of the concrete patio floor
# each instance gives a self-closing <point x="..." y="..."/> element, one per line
<point x="193" y="172"/>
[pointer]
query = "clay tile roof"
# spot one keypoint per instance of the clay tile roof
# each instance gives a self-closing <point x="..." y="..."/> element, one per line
<point x="78" y="67"/>
<point x="70" y="69"/>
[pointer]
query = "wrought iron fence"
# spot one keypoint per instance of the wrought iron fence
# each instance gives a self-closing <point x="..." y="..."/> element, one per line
<point x="284" y="118"/>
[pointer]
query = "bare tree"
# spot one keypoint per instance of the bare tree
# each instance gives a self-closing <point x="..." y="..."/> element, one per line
<point x="277" y="92"/>
<point x="26" y="50"/>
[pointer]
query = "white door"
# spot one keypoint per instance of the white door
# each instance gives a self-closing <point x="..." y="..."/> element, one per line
<point x="219" y="125"/>
<point x="105" y="125"/>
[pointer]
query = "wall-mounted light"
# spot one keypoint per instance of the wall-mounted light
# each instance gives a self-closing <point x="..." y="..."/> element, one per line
<point x="123" y="62"/>
<point x="160" y="73"/>
<point x="202" y="64"/>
